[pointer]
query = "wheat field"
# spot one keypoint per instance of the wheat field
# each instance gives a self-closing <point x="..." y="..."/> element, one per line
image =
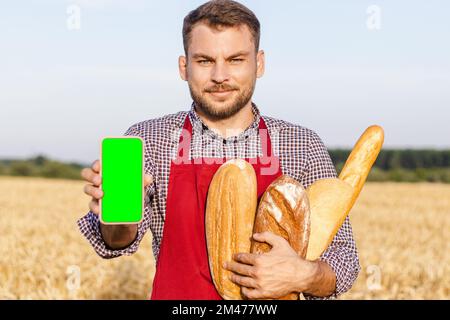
<point x="401" y="230"/>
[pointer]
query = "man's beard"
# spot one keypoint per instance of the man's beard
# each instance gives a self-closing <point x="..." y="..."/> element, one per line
<point x="227" y="111"/>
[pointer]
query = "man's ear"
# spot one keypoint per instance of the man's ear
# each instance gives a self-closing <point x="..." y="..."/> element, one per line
<point x="260" y="64"/>
<point x="182" y="67"/>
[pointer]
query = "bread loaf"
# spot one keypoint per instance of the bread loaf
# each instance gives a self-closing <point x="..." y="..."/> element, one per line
<point x="332" y="199"/>
<point x="230" y="214"/>
<point x="284" y="211"/>
<point x="308" y="220"/>
<point x="361" y="159"/>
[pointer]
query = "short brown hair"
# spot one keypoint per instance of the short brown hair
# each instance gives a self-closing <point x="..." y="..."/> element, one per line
<point x="221" y="13"/>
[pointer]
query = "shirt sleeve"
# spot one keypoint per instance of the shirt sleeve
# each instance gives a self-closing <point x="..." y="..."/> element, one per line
<point x="341" y="255"/>
<point x="89" y="225"/>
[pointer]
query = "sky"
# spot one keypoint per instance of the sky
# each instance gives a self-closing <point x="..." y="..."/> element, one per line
<point x="72" y="72"/>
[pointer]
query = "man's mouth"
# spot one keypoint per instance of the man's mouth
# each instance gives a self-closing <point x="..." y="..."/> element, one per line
<point x="221" y="93"/>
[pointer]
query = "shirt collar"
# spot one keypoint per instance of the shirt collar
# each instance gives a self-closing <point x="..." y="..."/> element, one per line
<point x="200" y="127"/>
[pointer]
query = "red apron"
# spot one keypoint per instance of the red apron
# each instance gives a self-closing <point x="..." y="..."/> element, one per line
<point x="182" y="271"/>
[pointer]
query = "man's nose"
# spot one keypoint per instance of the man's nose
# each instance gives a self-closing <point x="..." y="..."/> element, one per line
<point x="219" y="72"/>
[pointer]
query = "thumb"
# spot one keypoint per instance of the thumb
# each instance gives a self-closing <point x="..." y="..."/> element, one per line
<point x="268" y="237"/>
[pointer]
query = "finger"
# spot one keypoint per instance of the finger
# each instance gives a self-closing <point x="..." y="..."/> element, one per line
<point x="90" y="176"/>
<point x="240" y="268"/>
<point x="247" y="258"/>
<point x="270" y="238"/>
<point x="96" y="166"/>
<point x="148" y="180"/>
<point x="94" y="207"/>
<point x="87" y="174"/>
<point x="243" y="281"/>
<point x="92" y="191"/>
<point x="251" y="293"/>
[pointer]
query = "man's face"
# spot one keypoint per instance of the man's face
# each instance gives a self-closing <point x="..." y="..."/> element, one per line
<point x="221" y="69"/>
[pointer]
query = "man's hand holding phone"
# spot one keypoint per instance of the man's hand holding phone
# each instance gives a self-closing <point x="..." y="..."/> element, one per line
<point x="119" y="235"/>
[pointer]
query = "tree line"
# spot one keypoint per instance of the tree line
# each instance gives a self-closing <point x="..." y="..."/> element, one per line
<point x="406" y="159"/>
<point x="407" y="165"/>
<point x="40" y="166"/>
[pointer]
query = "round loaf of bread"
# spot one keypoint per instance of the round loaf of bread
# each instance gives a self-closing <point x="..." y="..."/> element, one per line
<point x="284" y="211"/>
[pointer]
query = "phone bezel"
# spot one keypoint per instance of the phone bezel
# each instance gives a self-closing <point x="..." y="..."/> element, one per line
<point x="101" y="184"/>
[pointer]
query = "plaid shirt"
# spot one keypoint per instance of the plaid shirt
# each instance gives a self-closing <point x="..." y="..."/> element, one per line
<point x="303" y="156"/>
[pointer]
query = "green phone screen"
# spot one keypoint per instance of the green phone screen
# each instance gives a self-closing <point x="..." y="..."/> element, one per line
<point x="122" y="180"/>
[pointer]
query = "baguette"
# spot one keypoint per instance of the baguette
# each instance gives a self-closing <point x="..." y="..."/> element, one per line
<point x="361" y="159"/>
<point x="332" y="199"/>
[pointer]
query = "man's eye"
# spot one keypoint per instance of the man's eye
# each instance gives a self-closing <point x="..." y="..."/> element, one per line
<point x="237" y="60"/>
<point x="204" y="62"/>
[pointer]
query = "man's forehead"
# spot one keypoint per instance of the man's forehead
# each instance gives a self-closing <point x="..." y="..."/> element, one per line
<point x="226" y="40"/>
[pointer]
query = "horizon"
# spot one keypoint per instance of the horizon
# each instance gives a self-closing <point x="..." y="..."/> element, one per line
<point x="75" y="162"/>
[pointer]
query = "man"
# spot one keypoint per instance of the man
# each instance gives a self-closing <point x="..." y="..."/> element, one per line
<point x="221" y="64"/>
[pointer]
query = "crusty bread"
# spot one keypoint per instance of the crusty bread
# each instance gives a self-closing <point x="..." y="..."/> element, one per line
<point x="329" y="203"/>
<point x="284" y="211"/>
<point x="230" y="214"/>
<point x="332" y="199"/>
<point x="361" y="159"/>
<point x="307" y="219"/>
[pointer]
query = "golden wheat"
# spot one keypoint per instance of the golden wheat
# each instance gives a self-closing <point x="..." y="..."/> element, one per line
<point x="402" y="233"/>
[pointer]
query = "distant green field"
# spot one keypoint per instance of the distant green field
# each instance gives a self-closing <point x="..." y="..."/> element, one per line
<point x="40" y="166"/>
<point x="391" y="165"/>
<point x="406" y="165"/>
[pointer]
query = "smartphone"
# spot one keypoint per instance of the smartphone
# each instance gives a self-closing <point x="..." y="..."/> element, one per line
<point x="122" y="172"/>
